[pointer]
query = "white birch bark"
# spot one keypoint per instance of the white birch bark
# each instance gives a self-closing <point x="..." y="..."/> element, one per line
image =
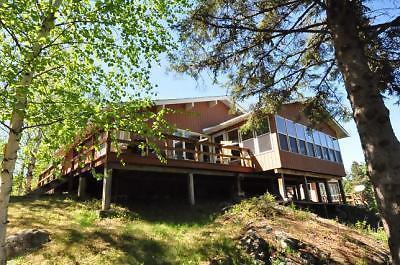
<point x="16" y="125"/>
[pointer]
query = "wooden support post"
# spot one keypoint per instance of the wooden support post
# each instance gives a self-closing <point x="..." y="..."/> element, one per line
<point x="82" y="187"/>
<point x="107" y="180"/>
<point x="191" y="189"/>
<point x="318" y="192"/>
<point x="342" y="193"/>
<point x="328" y="192"/>
<point x="306" y="190"/>
<point x="282" y="187"/>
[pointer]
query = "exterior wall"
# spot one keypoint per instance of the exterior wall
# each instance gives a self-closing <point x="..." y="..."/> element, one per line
<point x="304" y="163"/>
<point x="289" y="160"/>
<point x="270" y="159"/>
<point x="201" y="116"/>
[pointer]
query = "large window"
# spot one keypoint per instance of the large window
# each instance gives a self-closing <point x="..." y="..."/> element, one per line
<point x="297" y="138"/>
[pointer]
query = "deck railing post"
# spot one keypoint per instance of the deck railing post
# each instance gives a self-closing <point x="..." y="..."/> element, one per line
<point x="106" y="197"/>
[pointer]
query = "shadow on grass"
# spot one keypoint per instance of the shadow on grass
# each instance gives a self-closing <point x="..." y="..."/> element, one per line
<point x="176" y="213"/>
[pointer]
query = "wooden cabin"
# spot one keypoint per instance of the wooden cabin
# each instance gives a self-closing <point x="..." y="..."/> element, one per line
<point x="208" y="156"/>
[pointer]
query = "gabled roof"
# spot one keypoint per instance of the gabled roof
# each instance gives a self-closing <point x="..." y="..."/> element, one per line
<point x="224" y="99"/>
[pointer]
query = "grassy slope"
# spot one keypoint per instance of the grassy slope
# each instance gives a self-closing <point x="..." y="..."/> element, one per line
<point x="176" y="234"/>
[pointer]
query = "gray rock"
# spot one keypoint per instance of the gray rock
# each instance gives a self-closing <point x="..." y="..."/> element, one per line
<point x="256" y="246"/>
<point x="27" y="239"/>
<point x="288" y="242"/>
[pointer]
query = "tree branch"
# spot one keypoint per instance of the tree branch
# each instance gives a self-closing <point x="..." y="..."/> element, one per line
<point x="307" y="29"/>
<point x="11" y="33"/>
<point x="43" y="124"/>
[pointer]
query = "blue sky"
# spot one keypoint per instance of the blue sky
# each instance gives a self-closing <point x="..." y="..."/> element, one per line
<point x="172" y="85"/>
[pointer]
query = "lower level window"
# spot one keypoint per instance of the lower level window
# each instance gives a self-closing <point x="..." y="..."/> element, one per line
<point x="283" y="142"/>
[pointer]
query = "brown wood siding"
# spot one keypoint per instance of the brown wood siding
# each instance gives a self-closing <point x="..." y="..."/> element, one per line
<point x="201" y="116"/>
<point x="304" y="163"/>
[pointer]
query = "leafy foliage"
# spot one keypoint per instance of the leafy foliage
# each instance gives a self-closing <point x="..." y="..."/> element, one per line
<point x="359" y="176"/>
<point x="92" y="66"/>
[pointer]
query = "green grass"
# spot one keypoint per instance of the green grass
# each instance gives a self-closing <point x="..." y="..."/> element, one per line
<point x="378" y="234"/>
<point x="172" y="233"/>
<point x="149" y="234"/>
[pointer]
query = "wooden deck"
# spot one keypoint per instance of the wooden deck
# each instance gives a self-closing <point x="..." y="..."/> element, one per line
<point x="166" y="155"/>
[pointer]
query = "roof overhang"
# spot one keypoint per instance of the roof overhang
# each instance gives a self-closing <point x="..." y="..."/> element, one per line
<point x="227" y="123"/>
<point x="340" y="131"/>
<point x="190" y="102"/>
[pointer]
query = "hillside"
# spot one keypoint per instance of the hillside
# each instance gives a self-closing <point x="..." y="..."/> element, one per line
<point x="178" y="234"/>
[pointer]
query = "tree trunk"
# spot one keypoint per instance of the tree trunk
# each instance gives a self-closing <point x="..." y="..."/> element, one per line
<point x="32" y="162"/>
<point x="10" y="157"/>
<point x="16" y="125"/>
<point x="380" y="145"/>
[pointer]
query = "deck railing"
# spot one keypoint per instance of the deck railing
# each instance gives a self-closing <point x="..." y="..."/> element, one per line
<point x="180" y="148"/>
<point x="171" y="147"/>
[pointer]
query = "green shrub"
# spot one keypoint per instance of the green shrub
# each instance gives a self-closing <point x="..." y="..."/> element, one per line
<point x="85" y="218"/>
<point x="378" y="234"/>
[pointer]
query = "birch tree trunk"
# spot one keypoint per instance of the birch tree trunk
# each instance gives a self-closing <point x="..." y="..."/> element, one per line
<point x="16" y="125"/>
<point x="380" y="145"/>
<point x="32" y="162"/>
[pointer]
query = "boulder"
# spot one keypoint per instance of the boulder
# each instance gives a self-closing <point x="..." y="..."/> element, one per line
<point x="256" y="246"/>
<point x="27" y="239"/>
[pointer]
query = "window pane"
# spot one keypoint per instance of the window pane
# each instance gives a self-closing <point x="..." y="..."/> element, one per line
<point x="310" y="149"/>
<point x="247" y="135"/>
<point x="291" y="128"/>
<point x="338" y="157"/>
<point x="309" y="135"/>
<point x="293" y="145"/>
<point x="300" y="131"/>
<point x="316" y="137"/>
<point x="264" y="143"/>
<point x="323" y="136"/>
<point x="330" y="142"/>
<point x="332" y="155"/>
<point x="325" y="153"/>
<point x="318" y="151"/>
<point x="336" y="144"/>
<point x="263" y="128"/>
<point x="249" y="143"/>
<point x="283" y="142"/>
<point x="280" y="124"/>
<point x="303" y="149"/>
<point x="233" y="136"/>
